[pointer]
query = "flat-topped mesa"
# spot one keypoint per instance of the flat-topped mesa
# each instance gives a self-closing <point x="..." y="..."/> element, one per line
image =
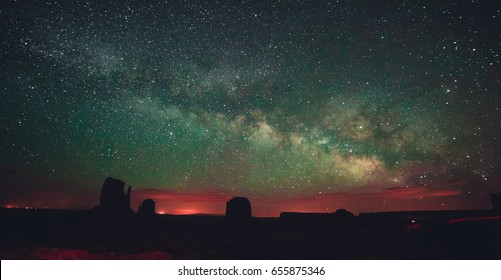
<point x="113" y="198"/>
<point x="147" y="208"/>
<point x="238" y="209"/>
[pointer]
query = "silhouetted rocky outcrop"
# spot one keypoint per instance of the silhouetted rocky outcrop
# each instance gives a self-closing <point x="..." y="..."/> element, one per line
<point x="113" y="199"/>
<point x="147" y="208"/>
<point x="238" y="209"/>
<point x="496" y="201"/>
<point x="341" y="219"/>
<point x="343" y="214"/>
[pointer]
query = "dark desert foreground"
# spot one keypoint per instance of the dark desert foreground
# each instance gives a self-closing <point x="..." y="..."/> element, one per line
<point x="60" y="234"/>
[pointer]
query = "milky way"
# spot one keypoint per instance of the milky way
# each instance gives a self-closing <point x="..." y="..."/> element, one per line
<point x="300" y="106"/>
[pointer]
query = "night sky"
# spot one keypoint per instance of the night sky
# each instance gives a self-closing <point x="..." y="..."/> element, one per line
<point x="298" y="105"/>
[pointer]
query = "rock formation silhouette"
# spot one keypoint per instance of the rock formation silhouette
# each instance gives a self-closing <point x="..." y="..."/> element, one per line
<point x="238" y="209"/>
<point x="147" y="208"/>
<point x="343" y="214"/>
<point x="339" y="219"/>
<point x="113" y="199"/>
<point x="496" y="202"/>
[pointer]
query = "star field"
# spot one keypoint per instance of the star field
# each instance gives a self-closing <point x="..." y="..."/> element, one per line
<point x="301" y="106"/>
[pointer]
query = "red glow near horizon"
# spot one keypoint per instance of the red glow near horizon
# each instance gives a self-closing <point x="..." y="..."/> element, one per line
<point x="370" y="199"/>
<point x="186" y="212"/>
<point x="393" y="199"/>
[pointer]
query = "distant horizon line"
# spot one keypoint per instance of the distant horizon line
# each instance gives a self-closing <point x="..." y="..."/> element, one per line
<point x="223" y="214"/>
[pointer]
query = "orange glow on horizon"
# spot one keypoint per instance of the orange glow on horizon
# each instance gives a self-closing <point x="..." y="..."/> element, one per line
<point x="186" y="211"/>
